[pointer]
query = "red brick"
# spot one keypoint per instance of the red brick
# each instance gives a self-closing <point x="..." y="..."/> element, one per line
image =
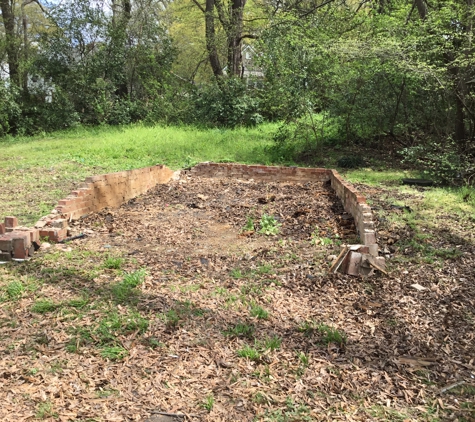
<point x="32" y="233"/>
<point x="2" y="228"/>
<point x="21" y="243"/>
<point x="54" y="235"/>
<point x="6" y="244"/>
<point x="11" y="222"/>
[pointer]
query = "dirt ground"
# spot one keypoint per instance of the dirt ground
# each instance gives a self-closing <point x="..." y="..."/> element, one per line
<point x="226" y="323"/>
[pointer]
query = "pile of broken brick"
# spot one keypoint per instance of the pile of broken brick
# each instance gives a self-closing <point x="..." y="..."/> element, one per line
<point x="19" y="243"/>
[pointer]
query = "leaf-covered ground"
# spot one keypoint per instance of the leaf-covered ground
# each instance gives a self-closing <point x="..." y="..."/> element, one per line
<point x="211" y="298"/>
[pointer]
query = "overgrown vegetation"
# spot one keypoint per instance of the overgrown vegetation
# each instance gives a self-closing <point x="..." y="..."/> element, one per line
<point x="373" y="75"/>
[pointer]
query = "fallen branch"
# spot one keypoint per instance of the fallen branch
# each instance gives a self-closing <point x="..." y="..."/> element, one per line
<point x="450" y="387"/>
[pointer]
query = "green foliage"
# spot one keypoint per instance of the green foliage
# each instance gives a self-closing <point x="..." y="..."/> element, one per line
<point x="180" y="311"/>
<point x="290" y="413"/>
<point x="208" y="403"/>
<point x="240" y="330"/>
<point x="9" y="108"/>
<point x="269" y="225"/>
<point x="326" y="333"/>
<point x="113" y="263"/>
<point x="444" y="161"/>
<point x="45" y="410"/>
<point x="249" y="225"/>
<point x="15" y="290"/>
<point x="44" y="306"/>
<point x="331" y="335"/>
<point x="249" y="352"/>
<point x="126" y="289"/>
<point x="114" y="353"/>
<point x="227" y="103"/>
<point x="114" y="325"/>
<point x="272" y="343"/>
<point x="258" y="312"/>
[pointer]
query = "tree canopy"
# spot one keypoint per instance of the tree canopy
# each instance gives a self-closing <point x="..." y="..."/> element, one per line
<point x="377" y="71"/>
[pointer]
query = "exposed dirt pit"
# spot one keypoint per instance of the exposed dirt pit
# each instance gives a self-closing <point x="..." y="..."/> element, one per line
<point x="216" y="217"/>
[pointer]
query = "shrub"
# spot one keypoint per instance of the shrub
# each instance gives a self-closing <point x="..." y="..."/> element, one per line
<point x="228" y="103"/>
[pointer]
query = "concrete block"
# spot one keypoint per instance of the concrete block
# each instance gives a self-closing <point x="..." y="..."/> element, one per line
<point x="354" y="263"/>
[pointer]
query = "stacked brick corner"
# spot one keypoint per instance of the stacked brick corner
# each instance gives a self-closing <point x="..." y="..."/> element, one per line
<point x="17" y="242"/>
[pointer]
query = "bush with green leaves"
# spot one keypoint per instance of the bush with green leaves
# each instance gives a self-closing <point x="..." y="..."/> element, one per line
<point x="444" y="161"/>
<point x="10" y="110"/>
<point x="226" y="103"/>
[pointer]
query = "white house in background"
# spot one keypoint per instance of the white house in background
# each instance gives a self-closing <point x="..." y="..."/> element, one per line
<point x="36" y="84"/>
<point x="250" y="69"/>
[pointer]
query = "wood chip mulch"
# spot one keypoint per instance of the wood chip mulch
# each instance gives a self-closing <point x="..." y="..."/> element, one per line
<point x="236" y="325"/>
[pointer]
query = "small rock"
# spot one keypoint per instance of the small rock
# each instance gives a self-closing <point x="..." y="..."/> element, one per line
<point x="418" y="287"/>
<point x="107" y="246"/>
<point x="45" y="245"/>
<point x="331" y="258"/>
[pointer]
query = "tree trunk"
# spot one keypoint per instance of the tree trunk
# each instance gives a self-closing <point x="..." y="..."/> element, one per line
<point x="421" y="8"/>
<point x="234" y="37"/>
<point x="121" y="15"/>
<point x="211" y="39"/>
<point x="6" y="8"/>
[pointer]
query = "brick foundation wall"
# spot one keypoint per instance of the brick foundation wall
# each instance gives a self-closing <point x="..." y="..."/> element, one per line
<point x="354" y="203"/>
<point x="99" y="192"/>
<point x="114" y="189"/>
<point x="264" y="173"/>
<point x="111" y="190"/>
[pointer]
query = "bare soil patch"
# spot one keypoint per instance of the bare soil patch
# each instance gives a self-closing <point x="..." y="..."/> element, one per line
<point x="229" y="324"/>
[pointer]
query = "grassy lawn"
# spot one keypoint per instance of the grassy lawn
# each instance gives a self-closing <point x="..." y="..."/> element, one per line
<point x="36" y="172"/>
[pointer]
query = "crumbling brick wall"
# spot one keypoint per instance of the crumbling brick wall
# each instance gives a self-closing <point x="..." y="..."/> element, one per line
<point x="111" y="190"/>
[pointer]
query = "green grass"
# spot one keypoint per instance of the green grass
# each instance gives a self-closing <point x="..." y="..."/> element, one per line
<point x="258" y="312"/>
<point x="240" y="330"/>
<point x="208" y="403"/>
<point x="249" y="352"/>
<point x="15" y="289"/>
<point x="114" y="353"/>
<point x="44" y="168"/>
<point x="125" y="290"/>
<point x="44" y="306"/>
<point x="45" y="410"/>
<point x="113" y="263"/>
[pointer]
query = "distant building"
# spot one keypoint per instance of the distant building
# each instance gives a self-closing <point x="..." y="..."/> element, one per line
<point x="250" y="69"/>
